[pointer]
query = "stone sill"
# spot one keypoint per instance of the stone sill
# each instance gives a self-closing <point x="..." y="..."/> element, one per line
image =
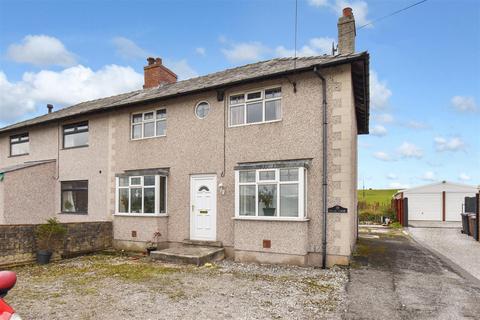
<point x="163" y="215"/>
<point x="271" y="219"/>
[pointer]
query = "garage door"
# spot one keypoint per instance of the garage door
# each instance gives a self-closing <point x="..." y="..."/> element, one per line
<point x="454" y="205"/>
<point x="425" y="206"/>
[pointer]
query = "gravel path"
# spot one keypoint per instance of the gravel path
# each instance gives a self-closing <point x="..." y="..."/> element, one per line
<point x="112" y="287"/>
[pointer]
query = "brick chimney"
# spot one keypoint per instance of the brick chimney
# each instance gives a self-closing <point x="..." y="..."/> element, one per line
<point x="346" y="32"/>
<point x="157" y="74"/>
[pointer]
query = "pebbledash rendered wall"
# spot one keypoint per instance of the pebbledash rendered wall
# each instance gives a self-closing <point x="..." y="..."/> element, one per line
<point x="18" y="242"/>
<point x="195" y="146"/>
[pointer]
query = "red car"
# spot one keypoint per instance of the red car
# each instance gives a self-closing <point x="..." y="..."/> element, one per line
<point x="7" y="281"/>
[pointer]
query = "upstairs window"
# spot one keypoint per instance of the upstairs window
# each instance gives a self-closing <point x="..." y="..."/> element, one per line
<point x="149" y="124"/>
<point x="255" y="107"/>
<point x="75" y="135"/>
<point x="19" y="144"/>
<point x="142" y="194"/>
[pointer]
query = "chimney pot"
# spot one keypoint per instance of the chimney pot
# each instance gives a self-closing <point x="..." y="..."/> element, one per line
<point x="156" y="74"/>
<point x="347" y="12"/>
<point x="50" y="107"/>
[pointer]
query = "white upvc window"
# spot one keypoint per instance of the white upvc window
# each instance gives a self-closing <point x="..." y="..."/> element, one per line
<point x="142" y="195"/>
<point x="270" y="193"/>
<point x="261" y="106"/>
<point x="149" y="124"/>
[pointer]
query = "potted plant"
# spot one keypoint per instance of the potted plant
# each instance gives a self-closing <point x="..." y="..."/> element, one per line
<point x="267" y="198"/>
<point x="46" y="234"/>
<point x="152" y="245"/>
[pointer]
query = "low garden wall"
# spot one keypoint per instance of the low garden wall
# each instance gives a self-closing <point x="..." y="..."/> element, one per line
<point x="18" y="242"/>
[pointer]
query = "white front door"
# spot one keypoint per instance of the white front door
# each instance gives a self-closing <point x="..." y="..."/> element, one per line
<point x="203" y="207"/>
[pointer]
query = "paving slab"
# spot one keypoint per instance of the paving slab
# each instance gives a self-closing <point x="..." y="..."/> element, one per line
<point x="197" y="255"/>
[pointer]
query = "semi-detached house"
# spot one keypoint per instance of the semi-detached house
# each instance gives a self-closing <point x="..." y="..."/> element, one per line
<point x="253" y="157"/>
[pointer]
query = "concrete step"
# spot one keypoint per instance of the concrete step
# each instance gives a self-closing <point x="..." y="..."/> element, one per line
<point x="189" y="242"/>
<point x="197" y="255"/>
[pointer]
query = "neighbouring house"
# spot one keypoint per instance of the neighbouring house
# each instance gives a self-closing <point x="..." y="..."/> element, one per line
<point x="441" y="201"/>
<point x="252" y="158"/>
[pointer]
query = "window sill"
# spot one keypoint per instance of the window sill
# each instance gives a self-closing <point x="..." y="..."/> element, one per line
<point x="254" y="123"/>
<point x="75" y="213"/>
<point x="141" y="215"/>
<point x="18" y="155"/>
<point x="148" y="138"/>
<point x="76" y="147"/>
<point x="286" y="219"/>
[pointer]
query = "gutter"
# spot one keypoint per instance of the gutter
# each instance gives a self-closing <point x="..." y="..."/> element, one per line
<point x="324" y="164"/>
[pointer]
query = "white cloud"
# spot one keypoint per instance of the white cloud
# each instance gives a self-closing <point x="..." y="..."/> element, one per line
<point x="398" y="185"/>
<point x="409" y="150"/>
<point x="379" y="92"/>
<point x="364" y="144"/>
<point x="378" y="131"/>
<point x="464" y="177"/>
<point x="383" y="156"/>
<point x="359" y="8"/>
<point x="416" y="125"/>
<point x="452" y="144"/>
<point x="201" y="51"/>
<point x="41" y="50"/>
<point x="66" y="87"/>
<point x="182" y="69"/>
<point x="392" y="176"/>
<point x="315" y="47"/>
<point x="318" y="3"/>
<point x="464" y="103"/>
<point x="429" y="176"/>
<point x="383" y="118"/>
<point x="246" y="51"/>
<point x="128" y="49"/>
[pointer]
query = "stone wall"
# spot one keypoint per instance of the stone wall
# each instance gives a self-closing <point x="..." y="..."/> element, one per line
<point x="18" y="242"/>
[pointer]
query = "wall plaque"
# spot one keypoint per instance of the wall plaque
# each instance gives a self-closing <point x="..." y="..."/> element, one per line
<point x="337" y="209"/>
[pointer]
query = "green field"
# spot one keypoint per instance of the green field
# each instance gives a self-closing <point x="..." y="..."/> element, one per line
<point x="381" y="196"/>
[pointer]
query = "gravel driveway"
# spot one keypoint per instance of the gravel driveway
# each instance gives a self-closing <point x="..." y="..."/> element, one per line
<point x="393" y="277"/>
<point x="113" y="287"/>
<point x="459" y="248"/>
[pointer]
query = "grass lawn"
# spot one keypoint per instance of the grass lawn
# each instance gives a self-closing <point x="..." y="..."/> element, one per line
<point x="381" y="196"/>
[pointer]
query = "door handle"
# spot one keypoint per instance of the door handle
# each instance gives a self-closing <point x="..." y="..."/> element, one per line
<point x="193" y="207"/>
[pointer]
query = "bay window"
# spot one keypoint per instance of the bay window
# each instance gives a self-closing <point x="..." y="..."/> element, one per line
<point x="255" y="107"/>
<point x="278" y="193"/>
<point x="141" y="194"/>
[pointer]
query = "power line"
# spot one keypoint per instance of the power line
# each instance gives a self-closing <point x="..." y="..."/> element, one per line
<point x="392" y="14"/>
<point x="386" y="16"/>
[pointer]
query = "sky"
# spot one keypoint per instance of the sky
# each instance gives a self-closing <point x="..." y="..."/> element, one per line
<point x="424" y="65"/>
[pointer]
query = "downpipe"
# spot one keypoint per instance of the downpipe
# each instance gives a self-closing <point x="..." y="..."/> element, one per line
<point x="324" y="165"/>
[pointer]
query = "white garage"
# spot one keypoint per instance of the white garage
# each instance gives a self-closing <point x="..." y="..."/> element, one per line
<point x="442" y="201"/>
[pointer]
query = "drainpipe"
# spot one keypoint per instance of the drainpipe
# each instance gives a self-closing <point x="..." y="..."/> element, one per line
<point x="324" y="165"/>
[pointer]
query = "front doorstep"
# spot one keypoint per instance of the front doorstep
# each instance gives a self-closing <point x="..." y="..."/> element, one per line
<point x="197" y="255"/>
<point x="203" y="243"/>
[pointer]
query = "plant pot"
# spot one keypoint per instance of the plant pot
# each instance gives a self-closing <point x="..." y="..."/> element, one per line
<point x="269" y="212"/>
<point x="44" y="256"/>
<point x="150" y="249"/>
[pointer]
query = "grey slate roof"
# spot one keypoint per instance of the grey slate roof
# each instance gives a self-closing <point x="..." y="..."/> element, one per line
<point x="24" y="165"/>
<point x="218" y="80"/>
